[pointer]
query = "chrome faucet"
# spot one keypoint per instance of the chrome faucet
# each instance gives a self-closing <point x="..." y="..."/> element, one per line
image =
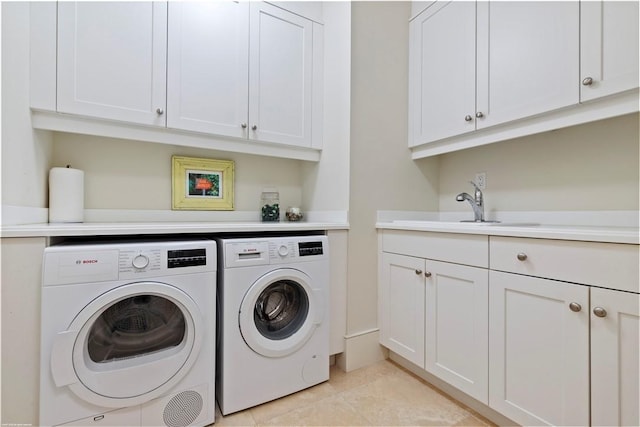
<point x="476" y="202"/>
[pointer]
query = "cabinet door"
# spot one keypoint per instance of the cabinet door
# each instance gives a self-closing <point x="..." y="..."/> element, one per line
<point x="609" y="47"/>
<point x="615" y="358"/>
<point x="538" y="350"/>
<point x="280" y="76"/>
<point x="442" y="55"/>
<point x="528" y="59"/>
<point x="401" y="296"/>
<point x="112" y="60"/>
<point x="457" y="330"/>
<point x="208" y="67"/>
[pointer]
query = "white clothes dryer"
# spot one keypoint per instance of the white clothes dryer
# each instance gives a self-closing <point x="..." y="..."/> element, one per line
<point x="128" y="334"/>
<point x="273" y="319"/>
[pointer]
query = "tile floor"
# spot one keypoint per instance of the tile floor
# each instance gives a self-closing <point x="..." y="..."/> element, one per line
<point x="383" y="394"/>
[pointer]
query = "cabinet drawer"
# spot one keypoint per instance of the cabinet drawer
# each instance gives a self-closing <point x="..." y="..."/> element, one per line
<point x="609" y="265"/>
<point x="467" y="249"/>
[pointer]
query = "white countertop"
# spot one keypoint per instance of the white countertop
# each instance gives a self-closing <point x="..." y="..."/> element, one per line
<point x="130" y="228"/>
<point x="609" y="234"/>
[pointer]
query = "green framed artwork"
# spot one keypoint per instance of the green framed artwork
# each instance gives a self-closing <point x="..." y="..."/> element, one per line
<point x="202" y="184"/>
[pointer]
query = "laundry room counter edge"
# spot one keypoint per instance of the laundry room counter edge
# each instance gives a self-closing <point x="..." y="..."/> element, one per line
<point x="107" y="229"/>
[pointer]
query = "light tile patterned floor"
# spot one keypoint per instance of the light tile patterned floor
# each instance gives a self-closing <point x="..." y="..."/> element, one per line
<point x="383" y="394"/>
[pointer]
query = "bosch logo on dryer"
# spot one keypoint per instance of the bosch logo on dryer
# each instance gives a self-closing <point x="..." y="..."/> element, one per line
<point x="86" y="261"/>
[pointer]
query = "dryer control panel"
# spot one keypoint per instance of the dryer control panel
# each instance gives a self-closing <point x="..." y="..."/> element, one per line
<point x="68" y="264"/>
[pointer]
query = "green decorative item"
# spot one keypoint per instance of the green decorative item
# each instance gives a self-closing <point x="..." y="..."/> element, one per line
<point x="270" y="211"/>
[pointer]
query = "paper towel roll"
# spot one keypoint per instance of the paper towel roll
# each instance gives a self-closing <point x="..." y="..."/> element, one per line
<point x="66" y="195"/>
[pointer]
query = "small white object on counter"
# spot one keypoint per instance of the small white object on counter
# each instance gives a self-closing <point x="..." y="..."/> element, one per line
<point x="66" y="195"/>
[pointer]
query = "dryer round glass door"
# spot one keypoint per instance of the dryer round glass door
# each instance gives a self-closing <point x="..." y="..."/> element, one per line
<point x="280" y="312"/>
<point x="129" y="345"/>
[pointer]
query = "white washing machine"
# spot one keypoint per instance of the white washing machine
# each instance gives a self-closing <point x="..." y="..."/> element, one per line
<point x="128" y="334"/>
<point x="273" y="323"/>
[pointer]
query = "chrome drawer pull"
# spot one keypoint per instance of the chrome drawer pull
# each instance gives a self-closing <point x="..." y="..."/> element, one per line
<point x="600" y="312"/>
<point x="575" y="307"/>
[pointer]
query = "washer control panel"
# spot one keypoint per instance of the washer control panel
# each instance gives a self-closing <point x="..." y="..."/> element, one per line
<point x="273" y="250"/>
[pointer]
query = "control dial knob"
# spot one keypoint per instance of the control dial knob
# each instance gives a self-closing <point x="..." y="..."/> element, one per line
<point x="283" y="250"/>
<point x="140" y="261"/>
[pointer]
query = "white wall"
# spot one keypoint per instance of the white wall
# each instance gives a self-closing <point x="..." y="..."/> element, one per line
<point x="383" y="176"/>
<point x="21" y="329"/>
<point x="589" y="167"/>
<point x="326" y="183"/>
<point x="26" y="154"/>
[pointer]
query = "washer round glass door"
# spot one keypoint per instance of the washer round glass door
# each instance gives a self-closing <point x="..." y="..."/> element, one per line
<point x="279" y="312"/>
<point x="129" y="345"/>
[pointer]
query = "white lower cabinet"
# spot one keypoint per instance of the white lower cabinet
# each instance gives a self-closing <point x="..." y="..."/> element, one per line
<point x="434" y="313"/>
<point x="546" y="333"/>
<point x="538" y="350"/>
<point x="615" y="358"/>
<point x="402" y="314"/>
<point x="457" y="325"/>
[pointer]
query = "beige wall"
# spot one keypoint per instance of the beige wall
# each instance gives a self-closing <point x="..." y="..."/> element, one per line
<point x="125" y="174"/>
<point x="383" y="176"/>
<point x="589" y="167"/>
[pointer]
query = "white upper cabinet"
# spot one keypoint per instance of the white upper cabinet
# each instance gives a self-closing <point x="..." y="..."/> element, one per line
<point x="280" y="76"/>
<point x="208" y="71"/>
<point x="609" y="49"/>
<point x="528" y="59"/>
<point x="241" y="69"/>
<point x="486" y="71"/>
<point x="112" y="60"/>
<point x="442" y="55"/>
<point x="234" y="76"/>
<point x="474" y="65"/>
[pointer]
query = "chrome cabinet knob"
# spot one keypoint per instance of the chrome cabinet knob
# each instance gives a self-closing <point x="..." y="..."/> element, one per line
<point x="575" y="307"/>
<point x="600" y="312"/>
<point x="427" y="274"/>
<point x="254" y="127"/>
<point x="418" y="272"/>
<point x="479" y="114"/>
<point x="521" y="256"/>
<point x="468" y="118"/>
<point x="159" y="111"/>
<point x="243" y="125"/>
<point x="587" y="81"/>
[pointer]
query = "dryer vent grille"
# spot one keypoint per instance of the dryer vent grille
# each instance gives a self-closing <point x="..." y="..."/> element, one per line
<point x="183" y="409"/>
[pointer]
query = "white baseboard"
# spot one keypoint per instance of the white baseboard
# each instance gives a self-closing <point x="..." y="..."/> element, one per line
<point x="361" y="349"/>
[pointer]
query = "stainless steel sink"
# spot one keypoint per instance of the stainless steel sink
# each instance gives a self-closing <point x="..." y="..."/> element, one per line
<point x="419" y="223"/>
